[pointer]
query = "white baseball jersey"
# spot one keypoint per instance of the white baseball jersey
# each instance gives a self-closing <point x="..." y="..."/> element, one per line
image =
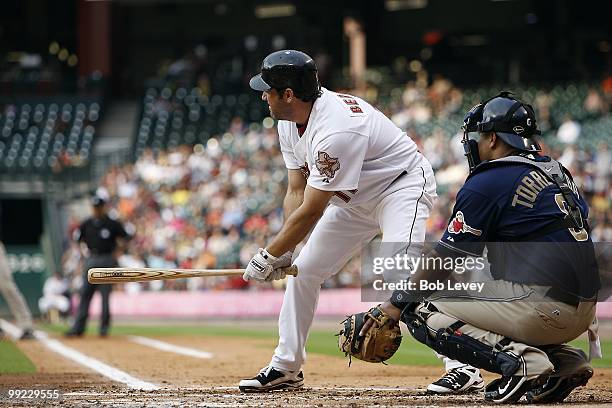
<point x="352" y="149"/>
<point x="348" y="147"/>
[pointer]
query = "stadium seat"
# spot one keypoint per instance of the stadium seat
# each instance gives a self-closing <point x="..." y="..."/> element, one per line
<point x="35" y="132"/>
<point x="171" y="117"/>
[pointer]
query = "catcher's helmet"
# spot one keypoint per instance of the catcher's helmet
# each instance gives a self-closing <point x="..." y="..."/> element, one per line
<point x="512" y="120"/>
<point x="289" y="69"/>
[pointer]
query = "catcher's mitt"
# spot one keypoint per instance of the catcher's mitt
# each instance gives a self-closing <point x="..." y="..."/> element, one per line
<point x="378" y="344"/>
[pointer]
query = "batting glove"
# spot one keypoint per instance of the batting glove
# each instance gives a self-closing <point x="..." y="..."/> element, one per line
<point x="280" y="267"/>
<point x="278" y="274"/>
<point x="260" y="266"/>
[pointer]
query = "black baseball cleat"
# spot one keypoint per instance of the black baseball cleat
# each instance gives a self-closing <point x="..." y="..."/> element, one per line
<point x="458" y="381"/>
<point x="556" y="389"/>
<point x="271" y="379"/>
<point x="507" y="390"/>
<point x="27" y="335"/>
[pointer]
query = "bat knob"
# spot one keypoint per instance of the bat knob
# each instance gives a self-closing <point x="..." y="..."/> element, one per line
<point x="90" y="276"/>
<point x="292" y="270"/>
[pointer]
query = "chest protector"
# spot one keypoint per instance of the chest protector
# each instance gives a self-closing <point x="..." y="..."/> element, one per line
<point x="555" y="172"/>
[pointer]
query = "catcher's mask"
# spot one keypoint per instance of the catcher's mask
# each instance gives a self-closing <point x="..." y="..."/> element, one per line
<point x="470" y="146"/>
<point x="512" y="121"/>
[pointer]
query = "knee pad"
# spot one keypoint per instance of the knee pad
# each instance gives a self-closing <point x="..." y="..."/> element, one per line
<point x="456" y="345"/>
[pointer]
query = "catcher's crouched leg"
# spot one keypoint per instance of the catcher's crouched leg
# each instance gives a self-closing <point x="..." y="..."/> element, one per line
<point x="451" y="342"/>
<point x="377" y="344"/>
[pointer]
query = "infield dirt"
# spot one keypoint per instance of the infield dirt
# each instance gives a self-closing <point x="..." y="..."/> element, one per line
<point x="187" y="381"/>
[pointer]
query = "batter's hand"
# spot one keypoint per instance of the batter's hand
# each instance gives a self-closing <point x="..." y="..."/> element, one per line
<point x="280" y="267"/>
<point x="393" y="312"/>
<point x="260" y="266"/>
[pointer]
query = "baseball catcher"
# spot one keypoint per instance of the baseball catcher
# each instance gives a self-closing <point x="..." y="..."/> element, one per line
<point x="525" y="209"/>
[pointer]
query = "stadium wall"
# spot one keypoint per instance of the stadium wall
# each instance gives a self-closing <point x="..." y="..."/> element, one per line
<point x="238" y="304"/>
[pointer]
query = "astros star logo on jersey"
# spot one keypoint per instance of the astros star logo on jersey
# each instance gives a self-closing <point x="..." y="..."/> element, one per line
<point x="327" y="165"/>
<point x="458" y="226"/>
<point x="305" y="171"/>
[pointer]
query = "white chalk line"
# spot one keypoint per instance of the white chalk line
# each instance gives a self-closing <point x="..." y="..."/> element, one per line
<point x="329" y="389"/>
<point x="13" y="331"/>
<point x="96" y="365"/>
<point x="161" y="345"/>
<point x="168" y="392"/>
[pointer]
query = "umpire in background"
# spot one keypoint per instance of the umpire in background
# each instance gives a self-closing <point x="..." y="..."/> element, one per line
<point x="105" y="239"/>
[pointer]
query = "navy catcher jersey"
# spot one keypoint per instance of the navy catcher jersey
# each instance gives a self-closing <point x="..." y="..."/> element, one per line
<point x="503" y="208"/>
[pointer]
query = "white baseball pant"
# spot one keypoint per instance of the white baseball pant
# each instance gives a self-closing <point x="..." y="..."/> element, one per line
<point x="400" y="213"/>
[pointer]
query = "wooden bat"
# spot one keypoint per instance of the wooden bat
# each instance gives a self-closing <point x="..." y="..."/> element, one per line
<point x="122" y="275"/>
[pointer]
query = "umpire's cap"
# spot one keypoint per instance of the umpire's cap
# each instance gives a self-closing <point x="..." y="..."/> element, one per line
<point x="512" y="120"/>
<point x="97" y="201"/>
<point x="289" y="69"/>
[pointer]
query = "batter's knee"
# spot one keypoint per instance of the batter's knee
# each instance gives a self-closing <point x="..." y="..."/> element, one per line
<point x="313" y="268"/>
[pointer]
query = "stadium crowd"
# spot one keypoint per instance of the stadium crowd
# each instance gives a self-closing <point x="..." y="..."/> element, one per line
<point x="213" y="205"/>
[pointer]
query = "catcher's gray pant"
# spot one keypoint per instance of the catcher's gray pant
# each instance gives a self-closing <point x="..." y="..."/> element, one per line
<point x="340" y="233"/>
<point x="520" y="312"/>
<point x="11" y="294"/>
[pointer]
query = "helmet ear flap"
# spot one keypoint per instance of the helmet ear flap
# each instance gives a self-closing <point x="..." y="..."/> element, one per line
<point x="531" y="119"/>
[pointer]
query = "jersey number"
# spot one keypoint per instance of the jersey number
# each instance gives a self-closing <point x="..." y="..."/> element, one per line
<point x="578" y="234"/>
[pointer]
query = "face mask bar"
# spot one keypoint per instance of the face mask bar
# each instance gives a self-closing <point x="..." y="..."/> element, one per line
<point x="470" y="124"/>
<point x="470" y="151"/>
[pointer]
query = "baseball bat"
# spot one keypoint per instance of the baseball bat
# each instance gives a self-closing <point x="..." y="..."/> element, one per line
<point x="122" y="275"/>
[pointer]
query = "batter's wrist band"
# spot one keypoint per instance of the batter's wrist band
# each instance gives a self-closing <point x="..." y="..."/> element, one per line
<point x="267" y="256"/>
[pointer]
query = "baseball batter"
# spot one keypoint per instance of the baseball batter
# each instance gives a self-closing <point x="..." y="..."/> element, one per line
<point x="351" y="174"/>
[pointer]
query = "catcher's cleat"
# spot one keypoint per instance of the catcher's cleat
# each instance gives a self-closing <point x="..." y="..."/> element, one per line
<point x="556" y="389"/>
<point x="507" y="390"/>
<point x="458" y="381"/>
<point x="271" y="379"/>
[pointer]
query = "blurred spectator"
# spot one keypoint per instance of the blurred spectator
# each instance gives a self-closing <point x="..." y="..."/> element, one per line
<point x="568" y="131"/>
<point x="569" y="157"/>
<point x="603" y="167"/>
<point x="594" y="104"/>
<point x="55" y="301"/>
<point x="606" y="87"/>
<point x="542" y="104"/>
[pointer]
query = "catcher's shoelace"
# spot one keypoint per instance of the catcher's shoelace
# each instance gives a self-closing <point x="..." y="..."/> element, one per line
<point x="451" y="378"/>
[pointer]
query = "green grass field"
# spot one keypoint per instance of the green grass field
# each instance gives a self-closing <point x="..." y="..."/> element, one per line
<point x="13" y="361"/>
<point x="320" y="341"/>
